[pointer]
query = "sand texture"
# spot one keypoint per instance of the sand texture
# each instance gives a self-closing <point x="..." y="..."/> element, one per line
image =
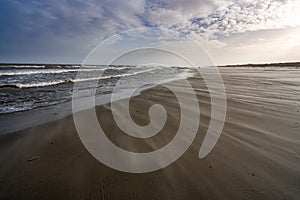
<point x="256" y="157"/>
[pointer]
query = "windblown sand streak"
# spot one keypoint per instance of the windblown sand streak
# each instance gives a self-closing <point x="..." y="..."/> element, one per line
<point x="257" y="156"/>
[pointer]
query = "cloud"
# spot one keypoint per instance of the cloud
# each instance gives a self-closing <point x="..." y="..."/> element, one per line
<point x="222" y="18"/>
<point x="62" y="27"/>
<point x="272" y="45"/>
<point x="65" y="30"/>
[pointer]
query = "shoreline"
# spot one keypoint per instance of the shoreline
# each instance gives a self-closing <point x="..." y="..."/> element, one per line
<point x="13" y="122"/>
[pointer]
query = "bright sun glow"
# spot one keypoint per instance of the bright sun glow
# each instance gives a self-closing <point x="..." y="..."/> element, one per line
<point x="291" y="14"/>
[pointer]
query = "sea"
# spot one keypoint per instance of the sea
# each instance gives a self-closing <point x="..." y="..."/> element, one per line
<point x="27" y="87"/>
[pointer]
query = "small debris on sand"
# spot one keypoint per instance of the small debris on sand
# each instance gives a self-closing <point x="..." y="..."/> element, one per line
<point x="33" y="158"/>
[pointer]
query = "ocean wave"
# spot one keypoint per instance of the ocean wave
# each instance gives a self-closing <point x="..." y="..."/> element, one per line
<point x="46" y="71"/>
<point x="32" y="85"/>
<point x="38" y="66"/>
<point x="26" y="66"/>
<point x="57" y="82"/>
<point x="53" y="71"/>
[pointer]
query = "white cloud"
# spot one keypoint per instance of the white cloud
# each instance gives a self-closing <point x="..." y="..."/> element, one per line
<point x="68" y="26"/>
<point x="274" y="45"/>
<point x="216" y="18"/>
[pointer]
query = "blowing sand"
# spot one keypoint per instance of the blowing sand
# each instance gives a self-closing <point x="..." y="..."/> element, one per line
<point x="256" y="157"/>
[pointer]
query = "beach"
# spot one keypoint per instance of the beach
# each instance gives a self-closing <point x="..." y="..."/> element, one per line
<point x="256" y="157"/>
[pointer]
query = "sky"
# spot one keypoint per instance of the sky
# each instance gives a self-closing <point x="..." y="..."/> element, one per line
<point x="230" y="32"/>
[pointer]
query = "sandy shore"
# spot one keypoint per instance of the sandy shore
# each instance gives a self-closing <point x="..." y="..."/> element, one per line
<point x="257" y="156"/>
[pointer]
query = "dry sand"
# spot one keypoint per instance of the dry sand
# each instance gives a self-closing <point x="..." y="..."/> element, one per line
<point x="257" y="156"/>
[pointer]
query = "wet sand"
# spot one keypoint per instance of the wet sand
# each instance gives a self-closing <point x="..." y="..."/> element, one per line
<point x="256" y="157"/>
